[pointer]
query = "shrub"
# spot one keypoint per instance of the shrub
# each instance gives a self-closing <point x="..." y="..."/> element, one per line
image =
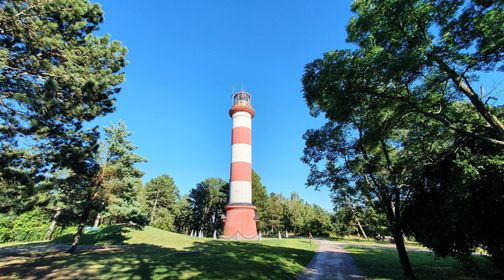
<point x="29" y="226"/>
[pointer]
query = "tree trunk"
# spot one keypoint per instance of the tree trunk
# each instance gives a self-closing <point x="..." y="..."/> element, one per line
<point x="403" y="255"/>
<point x="97" y="221"/>
<point x="80" y="229"/>
<point x="397" y="233"/>
<point x="360" y="227"/>
<point x="153" y="209"/>
<point x="53" y="224"/>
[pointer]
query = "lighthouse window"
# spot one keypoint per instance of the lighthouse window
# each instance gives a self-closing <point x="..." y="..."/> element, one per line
<point x="242" y="98"/>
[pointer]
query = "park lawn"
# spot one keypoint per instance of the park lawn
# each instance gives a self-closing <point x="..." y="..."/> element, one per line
<point x="372" y="242"/>
<point x="156" y="254"/>
<point x="382" y="263"/>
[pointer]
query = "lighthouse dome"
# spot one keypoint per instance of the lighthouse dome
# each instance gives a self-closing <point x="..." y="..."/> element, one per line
<point x="242" y="103"/>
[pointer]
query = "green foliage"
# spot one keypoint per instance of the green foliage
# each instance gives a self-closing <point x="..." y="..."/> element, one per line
<point x="5" y="226"/>
<point x="260" y="200"/>
<point x="161" y="195"/>
<point x="55" y="75"/>
<point x="183" y="215"/>
<point x="402" y="99"/>
<point x="207" y="200"/>
<point x="121" y="179"/>
<point x="274" y="212"/>
<point x="296" y="216"/>
<point x="29" y="226"/>
<point x="457" y="203"/>
<point x="54" y="70"/>
<point x="356" y="214"/>
<point x="435" y="50"/>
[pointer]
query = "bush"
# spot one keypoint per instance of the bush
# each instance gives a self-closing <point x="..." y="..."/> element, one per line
<point x="5" y="227"/>
<point x="29" y="226"/>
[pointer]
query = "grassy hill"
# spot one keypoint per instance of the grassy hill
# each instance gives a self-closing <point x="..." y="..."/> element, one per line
<point x="153" y="253"/>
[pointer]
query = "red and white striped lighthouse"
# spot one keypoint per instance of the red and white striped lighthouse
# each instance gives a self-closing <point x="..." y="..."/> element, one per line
<point x="240" y="212"/>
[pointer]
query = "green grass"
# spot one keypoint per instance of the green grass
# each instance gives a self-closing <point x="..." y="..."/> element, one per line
<point x="373" y="242"/>
<point x="157" y="254"/>
<point x="381" y="263"/>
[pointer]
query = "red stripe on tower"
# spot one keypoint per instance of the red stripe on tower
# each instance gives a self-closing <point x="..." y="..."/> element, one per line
<point x="241" y="135"/>
<point x="241" y="171"/>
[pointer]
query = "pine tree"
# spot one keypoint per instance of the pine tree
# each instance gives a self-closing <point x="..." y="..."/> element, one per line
<point x="260" y="199"/>
<point x="55" y="75"/>
<point x="162" y="195"/>
<point x="121" y="178"/>
<point x="208" y="199"/>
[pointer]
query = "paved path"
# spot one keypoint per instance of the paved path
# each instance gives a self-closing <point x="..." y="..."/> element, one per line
<point x="331" y="261"/>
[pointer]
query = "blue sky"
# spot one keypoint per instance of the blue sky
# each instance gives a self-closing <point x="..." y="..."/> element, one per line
<point x="184" y="58"/>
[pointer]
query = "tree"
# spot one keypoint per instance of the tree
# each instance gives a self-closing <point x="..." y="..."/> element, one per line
<point x="183" y="215"/>
<point x="425" y="46"/>
<point x="80" y="189"/>
<point x="317" y="221"/>
<point x="162" y="195"/>
<point x="292" y="213"/>
<point x="356" y="213"/>
<point x="361" y="146"/>
<point x="457" y="203"/>
<point x="54" y="76"/>
<point x="121" y="179"/>
<point x="54" y="71"/>
<point x="260" y="199"/>
<point x="274" y="213"/>
<point x="400" y="98"/>
<point x="208" y="199"/>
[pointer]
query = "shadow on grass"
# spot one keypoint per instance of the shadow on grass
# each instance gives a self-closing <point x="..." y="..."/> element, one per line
<point x="111" y="235"/>
<point x="203" y="260"/>
<point x="384" y="264"/>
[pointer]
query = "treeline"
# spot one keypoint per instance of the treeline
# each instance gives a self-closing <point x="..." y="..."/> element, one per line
<point x="202" y="210"/>
<point x="52" y="207"/>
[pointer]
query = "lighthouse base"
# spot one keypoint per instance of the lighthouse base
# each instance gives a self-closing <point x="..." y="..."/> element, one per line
<point x="240" y="221"/>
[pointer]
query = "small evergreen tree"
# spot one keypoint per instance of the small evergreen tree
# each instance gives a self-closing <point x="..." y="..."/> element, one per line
<point x="208" y="199"/>
<point x="260" y="199"/>
<point x="162" y="195"/>
<point x="121" y="179"/>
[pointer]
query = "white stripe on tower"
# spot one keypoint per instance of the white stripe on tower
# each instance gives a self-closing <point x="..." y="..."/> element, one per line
<point x="241" y="153"/>
<point x="242" y="119"/>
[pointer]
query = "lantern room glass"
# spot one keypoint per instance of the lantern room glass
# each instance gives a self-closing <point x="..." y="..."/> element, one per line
<point x="242" y="99"/>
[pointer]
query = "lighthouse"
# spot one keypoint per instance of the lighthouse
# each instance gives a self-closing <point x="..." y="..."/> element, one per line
<point x="240" y="220"/>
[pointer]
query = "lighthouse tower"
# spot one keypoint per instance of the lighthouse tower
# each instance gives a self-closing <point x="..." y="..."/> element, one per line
<point x="240" y="212"/>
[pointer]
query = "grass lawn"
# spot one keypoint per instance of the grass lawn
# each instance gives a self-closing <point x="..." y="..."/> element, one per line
<point x="373" y="242"/>
<point x="378" y="263"/>
<point x="157" y="254"/>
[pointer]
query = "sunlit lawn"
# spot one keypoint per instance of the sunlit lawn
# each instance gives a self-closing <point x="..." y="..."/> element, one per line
<point x="381" y="263"/>
<point x="373" y="242"/>
<point x="157" y="254"/>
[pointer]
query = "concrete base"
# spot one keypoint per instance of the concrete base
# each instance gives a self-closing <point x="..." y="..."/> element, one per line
<point x="240" y="218"/>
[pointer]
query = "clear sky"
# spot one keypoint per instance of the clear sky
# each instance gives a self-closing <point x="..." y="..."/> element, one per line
<point x="184" y="58"/>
